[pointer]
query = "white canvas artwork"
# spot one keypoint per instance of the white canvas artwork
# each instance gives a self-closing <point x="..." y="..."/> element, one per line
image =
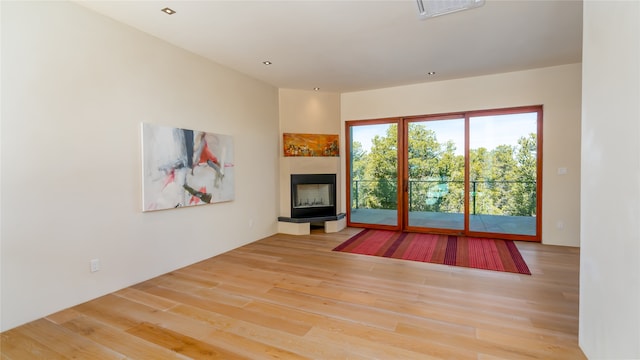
<point x="184" y="167"/>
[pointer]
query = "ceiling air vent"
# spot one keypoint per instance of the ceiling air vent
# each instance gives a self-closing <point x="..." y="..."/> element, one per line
<point x="432" y="8"/>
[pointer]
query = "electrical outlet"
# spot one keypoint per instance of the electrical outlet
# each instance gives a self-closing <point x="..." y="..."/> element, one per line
<point x="94" y="265"/>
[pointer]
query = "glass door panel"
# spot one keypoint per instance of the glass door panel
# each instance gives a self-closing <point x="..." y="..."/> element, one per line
<point x="503" y="168"/>
<point x="373" y="174"/>
<point x="435" y="169"/>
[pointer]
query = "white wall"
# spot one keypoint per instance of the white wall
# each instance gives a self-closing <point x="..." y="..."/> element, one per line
<point x="75" y="88"/>
<point x="610" y="252"/>
<point x="557" y="88"/>
<point x="307" y="112"/>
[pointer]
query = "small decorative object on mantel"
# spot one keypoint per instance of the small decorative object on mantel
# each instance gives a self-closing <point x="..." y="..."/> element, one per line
<point x="184" y="167"/>
<point x="310" y="145"/>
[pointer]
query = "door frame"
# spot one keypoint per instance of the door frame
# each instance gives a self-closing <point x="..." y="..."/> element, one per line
<point x="403" y="171"/>
<point x="399" y="212"/>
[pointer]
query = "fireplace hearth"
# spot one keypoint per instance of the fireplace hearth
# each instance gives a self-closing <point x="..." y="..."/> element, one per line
<point x="313" y="195"/>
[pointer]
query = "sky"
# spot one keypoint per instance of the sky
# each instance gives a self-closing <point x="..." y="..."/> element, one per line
<point x="486" y="131"/>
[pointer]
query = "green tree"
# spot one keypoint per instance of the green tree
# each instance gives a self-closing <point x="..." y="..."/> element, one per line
<point x="500" y="177"/>
<point x="451" y="172"/>
<point x="522" y="197"/>
<point x="479" y="161"/>
<point x="358" y="164"/>
<point x="436" y="173"/>
<point x="359" y="159"/>
<point x="424" y="153"/>
<point x="503" y="180"/>
<point x="381" y="169"/>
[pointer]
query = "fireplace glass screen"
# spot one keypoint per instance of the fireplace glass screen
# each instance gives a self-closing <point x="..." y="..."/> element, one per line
<point x="313" y="195"/>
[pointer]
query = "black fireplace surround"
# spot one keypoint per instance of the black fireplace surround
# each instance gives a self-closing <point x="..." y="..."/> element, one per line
<point x="313" y="195"/>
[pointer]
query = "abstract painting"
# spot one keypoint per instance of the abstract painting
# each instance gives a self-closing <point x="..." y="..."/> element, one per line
<point x="184" y="167"/>
<point x="310" y="145"/>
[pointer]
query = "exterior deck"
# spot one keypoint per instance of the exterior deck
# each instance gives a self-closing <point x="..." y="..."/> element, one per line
<point x="521" y="225"/>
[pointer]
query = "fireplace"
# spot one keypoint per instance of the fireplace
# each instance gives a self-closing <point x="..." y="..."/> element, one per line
<point x="313" y="195"/>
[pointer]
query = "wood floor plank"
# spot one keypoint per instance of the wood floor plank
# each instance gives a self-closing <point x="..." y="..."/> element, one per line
<point x="248" y="347"/>
<point x="222" y="335"/>
<point x="394" y="339"/>
<point x="146" y="299"/>
<point x="302" y="346"/>
<point x="63" y="341"/>
<point x="124" y="314"/>
<point x="366" y="347"/>
<point x="63" y="316"/>
<point x="130" y="346"/>
<point x="292" y="326"/>
<point x="118" y="312"/>
<point x="470" y="343"/>
<point x="181" y="343"/>
<point x="541" y="349"/>
<point x="18" y="345"/>
<point x="333" y="309"/>
<point x="292" y="297"/>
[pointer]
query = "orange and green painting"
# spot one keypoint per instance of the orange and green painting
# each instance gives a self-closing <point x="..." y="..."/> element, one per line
<point x="310" y="145"/>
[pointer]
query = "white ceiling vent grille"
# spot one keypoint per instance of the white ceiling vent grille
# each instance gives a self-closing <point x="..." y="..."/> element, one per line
<point x="432" y="8"/>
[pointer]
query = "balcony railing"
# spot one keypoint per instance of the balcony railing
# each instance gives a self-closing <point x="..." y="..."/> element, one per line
<point x="494" y="197"/>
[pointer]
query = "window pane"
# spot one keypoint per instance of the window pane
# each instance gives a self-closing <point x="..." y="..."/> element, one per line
<point x="503" y="173"/>
<point x="436" y="174"/>
<point x="374" y="174"/>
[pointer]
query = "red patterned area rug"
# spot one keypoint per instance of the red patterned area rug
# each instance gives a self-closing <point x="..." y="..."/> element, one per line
<point x="479" y="253"/>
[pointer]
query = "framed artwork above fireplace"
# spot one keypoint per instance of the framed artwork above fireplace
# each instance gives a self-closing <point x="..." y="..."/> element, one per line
<point x="310" y="145"/>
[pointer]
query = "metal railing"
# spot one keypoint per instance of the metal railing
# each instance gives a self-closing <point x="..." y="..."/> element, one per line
<point x="429" y="195"/>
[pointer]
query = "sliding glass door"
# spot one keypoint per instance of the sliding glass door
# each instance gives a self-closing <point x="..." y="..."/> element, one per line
<point x="503" y="176"/>
<point x="373" y="174"/>
<point x="435" y="173"/>
<point x="475" y="173"/>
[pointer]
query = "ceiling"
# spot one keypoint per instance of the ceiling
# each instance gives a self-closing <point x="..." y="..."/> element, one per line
<point x="343" y="46"/>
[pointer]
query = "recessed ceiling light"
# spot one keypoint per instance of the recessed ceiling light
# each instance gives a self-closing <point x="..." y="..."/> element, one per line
<point x="267" y="62"/>
<point x="431" y="73"/>
<point x="168" y="11"/>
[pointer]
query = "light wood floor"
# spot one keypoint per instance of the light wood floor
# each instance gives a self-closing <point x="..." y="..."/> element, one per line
<point x="291" y="297"/>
